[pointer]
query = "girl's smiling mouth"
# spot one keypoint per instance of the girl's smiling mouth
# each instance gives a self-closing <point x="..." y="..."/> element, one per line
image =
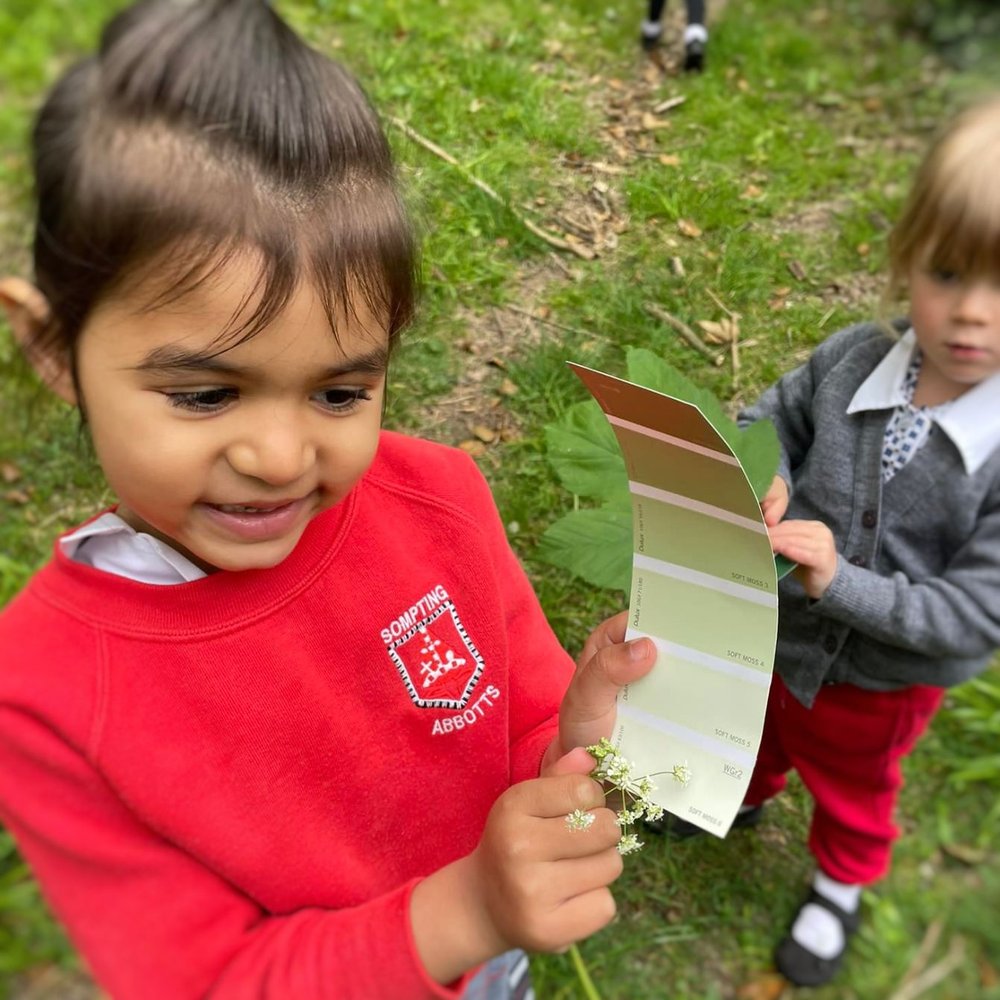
<point x="258" y="522"/>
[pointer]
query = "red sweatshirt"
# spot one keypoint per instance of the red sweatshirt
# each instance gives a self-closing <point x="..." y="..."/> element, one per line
<point x="228" y="788"/>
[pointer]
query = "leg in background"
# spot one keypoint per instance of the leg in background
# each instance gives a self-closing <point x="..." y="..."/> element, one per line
<point x="651" y="27"/>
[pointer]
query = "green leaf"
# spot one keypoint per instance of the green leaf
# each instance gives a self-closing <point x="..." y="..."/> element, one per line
<point x="584" y="452"/>
<point x="759" y="452"/>
<point x="649" y="370"/>
<point x="594" y="544"/>
<point x="757" y="447"/>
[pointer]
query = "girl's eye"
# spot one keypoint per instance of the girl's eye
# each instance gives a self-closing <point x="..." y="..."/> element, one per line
<point x="944" y="275"/>
<point x="343" y="400"/>
<point x="203" y="401"/>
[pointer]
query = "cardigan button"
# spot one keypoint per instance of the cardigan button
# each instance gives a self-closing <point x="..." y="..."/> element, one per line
<point x="858" y="561"/>
<point x="869" y="519"/>
<point x="830" y="644"/>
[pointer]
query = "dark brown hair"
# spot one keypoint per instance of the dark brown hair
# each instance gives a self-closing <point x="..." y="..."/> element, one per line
<point x="203" y="129"/>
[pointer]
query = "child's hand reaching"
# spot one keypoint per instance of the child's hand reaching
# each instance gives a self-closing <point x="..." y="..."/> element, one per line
<point x="811" y="545"/>
<point x="808" y="543"/>
<point x="775" y="502"/>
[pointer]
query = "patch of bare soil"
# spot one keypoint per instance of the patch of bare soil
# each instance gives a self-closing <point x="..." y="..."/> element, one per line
<point x="481" y="411"/>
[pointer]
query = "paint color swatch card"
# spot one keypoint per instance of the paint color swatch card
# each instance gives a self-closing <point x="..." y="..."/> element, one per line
<point x="704" y="588"/>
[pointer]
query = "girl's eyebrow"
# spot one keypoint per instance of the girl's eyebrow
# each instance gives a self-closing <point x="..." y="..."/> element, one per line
<point x="172" y="358"/>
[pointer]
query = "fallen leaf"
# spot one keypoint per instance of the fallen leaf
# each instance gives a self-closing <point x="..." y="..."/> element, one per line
<point x="742" y="85"/>
<point x="498" y="363"/>
<point x="507" y="388"/>
<point x="16" y="496"/>
<point x="797" y="270"/>
<point x="677" y="266"/>
<point x="476" y="105"/>
<point x="473" y="448"/>
<point x="863" y="249"/>
<point x="688" y="229"/>
<point x="510" y="434"/>
<point x="767" y="986"/>
<point x="715" y="333"/>
<point x="751" y="191"/>
<point x="484" y="433"/>
<point x="10" y="472"/>
<point x="651" y="123"/>
<point x="725" y="331"/>
<point x="872" y="104"/>
<point x="501" y="241"/>
<point x="670" y="160"/>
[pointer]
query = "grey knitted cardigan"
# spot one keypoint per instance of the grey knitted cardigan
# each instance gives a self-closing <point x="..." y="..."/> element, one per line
<point x="916" y="595"/>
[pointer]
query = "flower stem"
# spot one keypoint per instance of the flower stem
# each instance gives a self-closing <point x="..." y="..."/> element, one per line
<point x="589" y="989"/>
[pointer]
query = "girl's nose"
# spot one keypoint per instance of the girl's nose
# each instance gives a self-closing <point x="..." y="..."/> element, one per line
<point x="977" y="302"/>
<point x="274" y="450"/>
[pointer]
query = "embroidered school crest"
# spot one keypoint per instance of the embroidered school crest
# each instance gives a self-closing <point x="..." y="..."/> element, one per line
<point x="433" y="654"/>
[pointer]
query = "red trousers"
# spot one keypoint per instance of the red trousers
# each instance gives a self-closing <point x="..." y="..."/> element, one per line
<point x="847" y="750"/>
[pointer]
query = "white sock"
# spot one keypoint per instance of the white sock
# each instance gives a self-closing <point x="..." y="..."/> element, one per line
<point x="696" y="33"/>
<point x="651" y="29"/>
<point x="818" y="930"/>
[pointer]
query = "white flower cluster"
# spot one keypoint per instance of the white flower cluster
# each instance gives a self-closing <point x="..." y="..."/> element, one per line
<point x="615" y="771"/>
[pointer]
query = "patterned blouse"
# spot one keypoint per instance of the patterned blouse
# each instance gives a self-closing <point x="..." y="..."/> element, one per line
<point x="909" y="426"/>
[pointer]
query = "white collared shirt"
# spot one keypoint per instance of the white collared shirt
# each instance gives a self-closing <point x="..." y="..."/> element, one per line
<point x="110" y="544"/>
<point x="972" y="421"/>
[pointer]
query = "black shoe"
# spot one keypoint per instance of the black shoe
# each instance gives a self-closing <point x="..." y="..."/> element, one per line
<point x="649" y="42"/>
<point x="801" y="966"/>
<point x="694" y="56"/>
<point x="680" y="829"/>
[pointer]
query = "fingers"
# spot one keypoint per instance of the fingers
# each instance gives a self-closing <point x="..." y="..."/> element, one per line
<point x="804" y="542"/>
<point x="811" y="545"/>
<point x="577" y="761"/>
<point x="588" y="709"/>
<point x="555" y="796"/>
<point x="610" y="632"/>
<point x="571" y="920"/>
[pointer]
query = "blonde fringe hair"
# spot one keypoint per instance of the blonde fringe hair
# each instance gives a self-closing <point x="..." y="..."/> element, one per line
<point x="951" y="218"/>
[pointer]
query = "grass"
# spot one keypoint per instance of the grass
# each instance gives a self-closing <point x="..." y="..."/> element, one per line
<point x="766" y="192"/>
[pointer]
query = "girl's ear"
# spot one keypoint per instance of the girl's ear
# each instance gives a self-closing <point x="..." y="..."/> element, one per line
<point x="28" y="313"/>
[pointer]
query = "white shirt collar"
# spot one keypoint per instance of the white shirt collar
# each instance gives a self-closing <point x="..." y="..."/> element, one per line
<point x="972" y="421"/>
<point x="110" y="544"/>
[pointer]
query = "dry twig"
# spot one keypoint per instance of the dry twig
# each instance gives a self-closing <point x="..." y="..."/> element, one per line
<point x="668" y="105"/>
<point x="734" y="340"/>
<point x="684" y="330"/>
<point x="915" y="983"/>
<point x="554" y="241"/>
<point x="553" y="323"/>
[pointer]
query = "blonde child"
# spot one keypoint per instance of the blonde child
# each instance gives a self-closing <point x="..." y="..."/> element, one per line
<point x="285" y="722"/>
<point x="888" y="498"/>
